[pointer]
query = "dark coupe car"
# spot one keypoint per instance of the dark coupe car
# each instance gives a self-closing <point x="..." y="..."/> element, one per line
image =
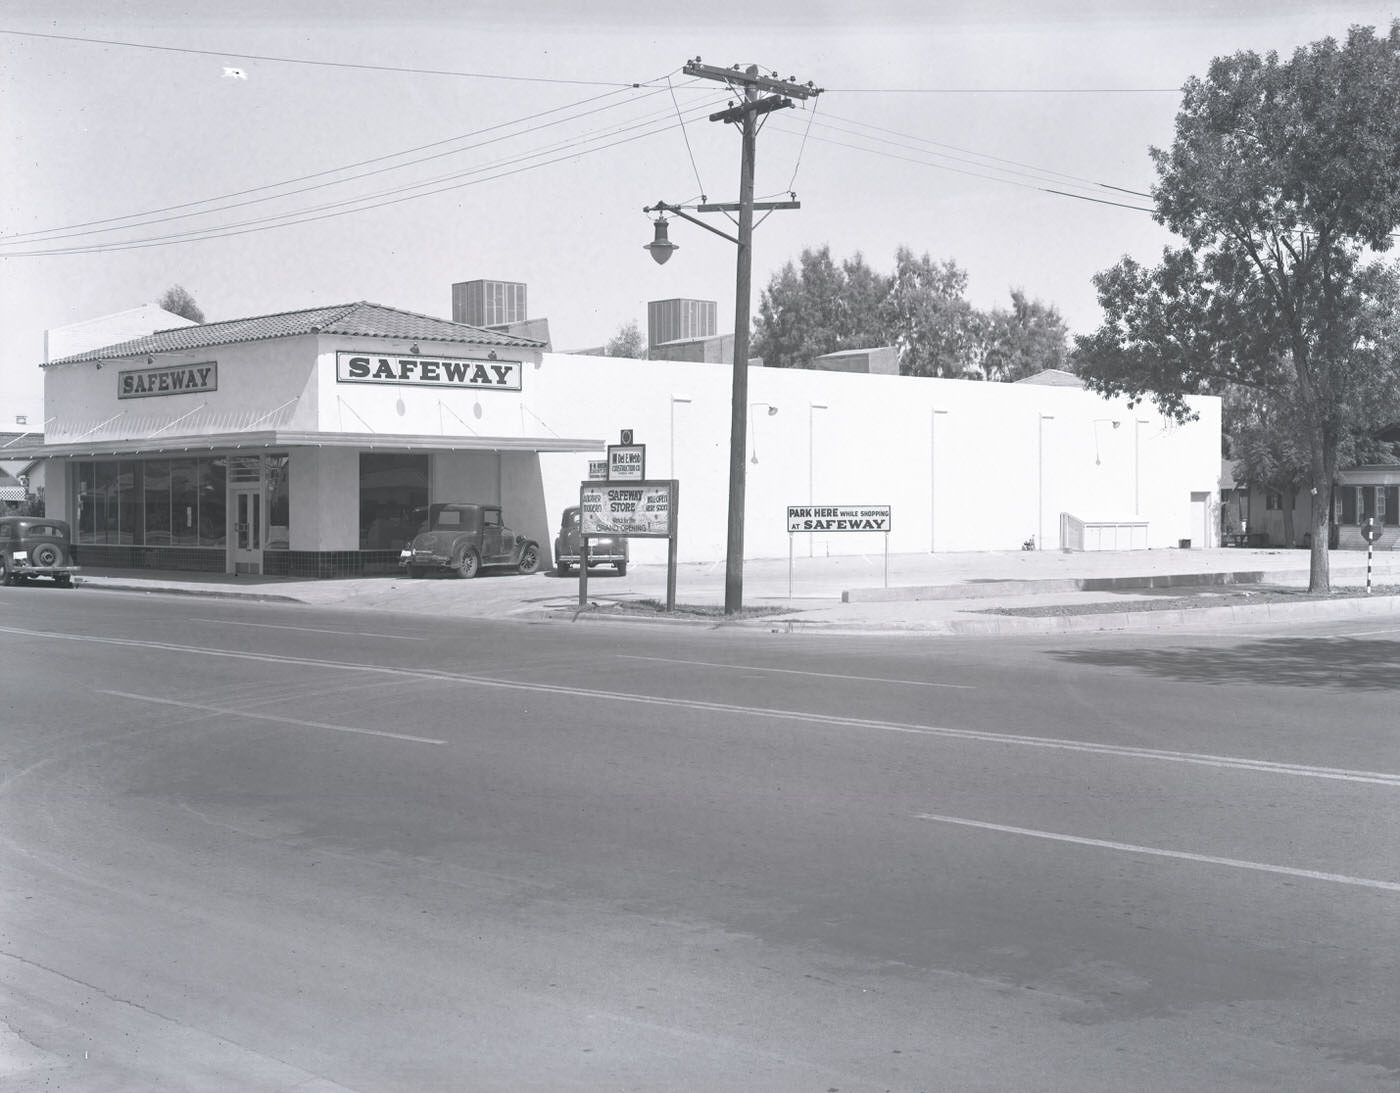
<point x="462" y="538"/>
<point x="602" y="549"/>
<point x="36" y="546"/>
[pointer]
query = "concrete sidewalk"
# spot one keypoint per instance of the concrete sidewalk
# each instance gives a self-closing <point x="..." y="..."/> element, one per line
<point x="917" y="593"/>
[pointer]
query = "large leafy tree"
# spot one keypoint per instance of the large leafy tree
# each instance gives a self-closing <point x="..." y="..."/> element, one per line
<point x="1027" y="339"/>
<point x="929" y="321"/>
<point x="816" y="307"/>
<point x="1284" y="181"/>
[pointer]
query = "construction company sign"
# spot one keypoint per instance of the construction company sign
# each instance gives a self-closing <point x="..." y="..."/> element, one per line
<point x="168" y="379"/>
<point x="838" y="518"/>
<point x="641" y="509"/>
<point x="429" y="371"/>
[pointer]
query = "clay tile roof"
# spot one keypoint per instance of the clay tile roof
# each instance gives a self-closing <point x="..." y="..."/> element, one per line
<point x="360" y="320"/>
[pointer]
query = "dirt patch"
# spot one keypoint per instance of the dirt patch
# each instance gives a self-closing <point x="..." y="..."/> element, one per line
<point x="1177" y="599"/>
<point x="657" y="609"/>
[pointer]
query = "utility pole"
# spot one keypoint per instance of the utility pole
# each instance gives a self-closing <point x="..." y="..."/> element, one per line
<point x="746" y="114"/>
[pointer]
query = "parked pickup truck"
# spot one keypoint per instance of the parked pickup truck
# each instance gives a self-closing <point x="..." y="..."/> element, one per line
<point x="462" y="537"/>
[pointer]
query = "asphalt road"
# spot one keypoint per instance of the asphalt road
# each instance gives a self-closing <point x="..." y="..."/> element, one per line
<point x="270" y="847"/>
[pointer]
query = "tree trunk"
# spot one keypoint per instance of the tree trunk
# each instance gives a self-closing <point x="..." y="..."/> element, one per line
<point x="1319" y="567"/>
<point x="1319" y="564"/>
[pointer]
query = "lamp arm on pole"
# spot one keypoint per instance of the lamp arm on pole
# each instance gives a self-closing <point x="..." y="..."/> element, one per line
<point x="663" y="207"/>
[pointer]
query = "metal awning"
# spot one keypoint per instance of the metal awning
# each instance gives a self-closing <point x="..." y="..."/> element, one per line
<point x="98" y="447"/>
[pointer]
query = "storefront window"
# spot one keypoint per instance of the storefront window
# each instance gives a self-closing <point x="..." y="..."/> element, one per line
<point x="184" y="502"/>
<point x="212" y="482"/>
<point x="393" y="495"/>
<point x="279" y="521"/>
<point x="130" y="502"/>
<point x="157" y="481"/>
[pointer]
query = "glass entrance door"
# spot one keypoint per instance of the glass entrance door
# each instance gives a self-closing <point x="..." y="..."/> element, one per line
<point x="247" y="530"/>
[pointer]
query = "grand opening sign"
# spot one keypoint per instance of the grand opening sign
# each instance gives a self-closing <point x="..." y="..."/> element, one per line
<point x="838" y="518"/>
<point x="641" y="509"/>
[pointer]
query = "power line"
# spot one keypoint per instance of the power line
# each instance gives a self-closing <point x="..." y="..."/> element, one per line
<point x="860" y="125"/>
<point x="159" y="216"/>
<point x="975" y="174"/>
<point x="520" y="164"/>
<point x="1006" y="90"/>
<point x="320" y="64"/>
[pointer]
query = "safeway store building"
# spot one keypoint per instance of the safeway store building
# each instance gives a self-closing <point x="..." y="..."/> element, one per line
<point x="308" y="443"/>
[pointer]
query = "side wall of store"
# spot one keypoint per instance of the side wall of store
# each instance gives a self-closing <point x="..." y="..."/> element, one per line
<point x="964" y="465"/>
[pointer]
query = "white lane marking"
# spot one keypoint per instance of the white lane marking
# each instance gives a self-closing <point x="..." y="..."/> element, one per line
<point x="251" y="716"/>
<point x="1365" y="633"/>
<point x="1262" y="766"/>
<point x="798" y="672"/>
<point x="312" y="630"/>
<point x="1184" y="855"/>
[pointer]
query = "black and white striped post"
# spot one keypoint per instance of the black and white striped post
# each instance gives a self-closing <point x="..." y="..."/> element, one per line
<point x="1370" y="531"/>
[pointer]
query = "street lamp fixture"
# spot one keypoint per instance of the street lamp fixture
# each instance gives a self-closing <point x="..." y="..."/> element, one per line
<point x="661" y="247"/>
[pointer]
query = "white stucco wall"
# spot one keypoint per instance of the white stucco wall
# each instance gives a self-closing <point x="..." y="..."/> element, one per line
<point x="965" y="465"/>
<point x="261" y="385"/>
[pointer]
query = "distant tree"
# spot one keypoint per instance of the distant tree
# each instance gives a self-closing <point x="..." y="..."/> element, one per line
<point x="818" y="307"/>
<point x="179" y="302"/>
<point x="1029" y="338"/>
<point x="1281" y="177"/>
<point x="627" y="342"/>
<point x="928" y="320"/>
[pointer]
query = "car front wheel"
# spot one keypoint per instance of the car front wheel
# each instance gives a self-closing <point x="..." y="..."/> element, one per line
<point x="622" y="569"/>
<point x="529" y="558"/>
<point x="6" y="577"/>
<point x="468" y="565"/>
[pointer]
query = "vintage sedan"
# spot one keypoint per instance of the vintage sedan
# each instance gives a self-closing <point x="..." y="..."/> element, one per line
<point x="602" y="549"/>
<point x="36" y="546"/>
<point x="463" y="537"/>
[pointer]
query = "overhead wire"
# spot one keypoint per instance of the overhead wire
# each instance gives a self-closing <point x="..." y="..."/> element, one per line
<point x="32" y="238"/>
<point x="983" y="173"/>
<point x="31" y="235"/>
<point x="565" y="150"/>
<point x="227" y="54"/>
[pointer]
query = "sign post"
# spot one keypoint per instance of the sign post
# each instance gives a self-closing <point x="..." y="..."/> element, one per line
<point x="643" y="509"/>
<point x="1370" y="531"/>
<point x="840" y="518"/>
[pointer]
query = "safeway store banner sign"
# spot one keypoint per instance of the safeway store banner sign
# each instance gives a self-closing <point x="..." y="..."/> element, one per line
<point x="642" y="509"/>
<point x="838" y="518"/>
<point x="429" y="371"/>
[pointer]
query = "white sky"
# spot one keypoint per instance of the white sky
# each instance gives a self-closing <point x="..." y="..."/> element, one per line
<point x="929" y="106"/>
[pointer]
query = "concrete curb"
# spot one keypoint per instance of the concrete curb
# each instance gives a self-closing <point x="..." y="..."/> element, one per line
<point x="106" y="585"/>
<point x="977" y="590"/>
<point x="1091" y="621"/>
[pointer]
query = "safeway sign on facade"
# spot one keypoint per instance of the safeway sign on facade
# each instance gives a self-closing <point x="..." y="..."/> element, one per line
<point x="838" y="518"/>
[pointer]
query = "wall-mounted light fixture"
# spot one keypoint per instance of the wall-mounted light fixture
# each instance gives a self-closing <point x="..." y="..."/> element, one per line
<point x="771" y="411"/>
<point x="671" y="466"/>
<point x="413" y="349"/>
<point x="1097" y="422"/>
